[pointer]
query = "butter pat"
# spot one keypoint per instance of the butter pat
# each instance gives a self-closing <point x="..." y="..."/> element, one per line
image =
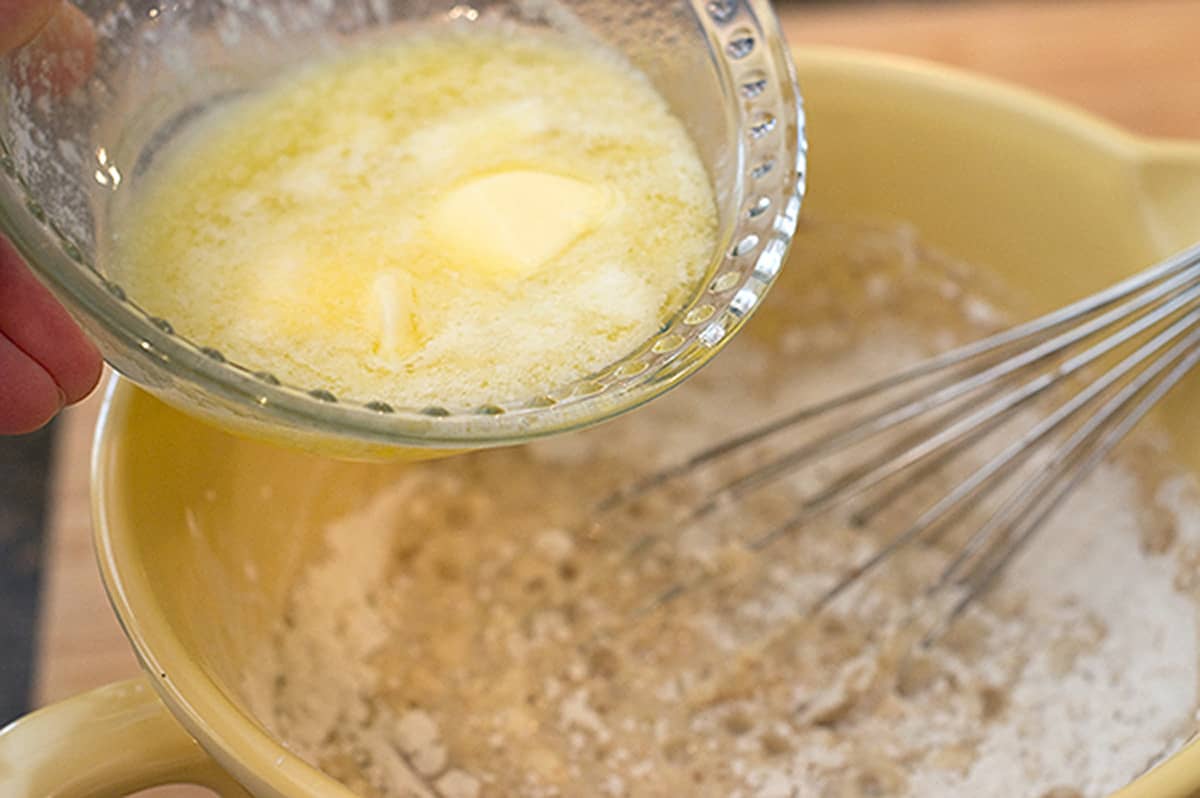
<point x="510" y="224"/>
<point x="393" y="315"/>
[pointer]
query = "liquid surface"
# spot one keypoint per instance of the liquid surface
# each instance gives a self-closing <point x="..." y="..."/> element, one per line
<point x="466" y="633"/>
<point x="458" y="218"/>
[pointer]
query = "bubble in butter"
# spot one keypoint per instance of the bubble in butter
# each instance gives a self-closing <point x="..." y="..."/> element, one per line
<point x="456" y="217"/>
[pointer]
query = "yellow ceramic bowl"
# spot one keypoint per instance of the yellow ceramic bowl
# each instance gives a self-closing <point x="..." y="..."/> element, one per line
<point x="1056" y="201"/>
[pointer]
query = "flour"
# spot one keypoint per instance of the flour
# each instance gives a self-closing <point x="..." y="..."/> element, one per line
<point x="467" y="633"/>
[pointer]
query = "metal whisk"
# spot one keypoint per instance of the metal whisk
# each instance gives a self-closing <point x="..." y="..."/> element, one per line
<point x="1113" y="356"/>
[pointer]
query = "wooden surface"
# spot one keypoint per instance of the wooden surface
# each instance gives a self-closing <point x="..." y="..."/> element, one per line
<point x="1136" y="62"/>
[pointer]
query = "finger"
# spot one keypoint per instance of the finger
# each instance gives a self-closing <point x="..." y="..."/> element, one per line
<point x="20" y="20"/>
<point x="60" y="57"/>
<point x="32" y="320"/>
<point x="28" y="395"/>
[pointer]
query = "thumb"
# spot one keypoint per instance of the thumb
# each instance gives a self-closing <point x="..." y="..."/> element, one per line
<point x="20" y="20"/>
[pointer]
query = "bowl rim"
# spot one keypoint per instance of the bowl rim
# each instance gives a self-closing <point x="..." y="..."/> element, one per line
<point x="226" y="732"/>
<point x="235" y="739"/>
<point x="202" y="381"/>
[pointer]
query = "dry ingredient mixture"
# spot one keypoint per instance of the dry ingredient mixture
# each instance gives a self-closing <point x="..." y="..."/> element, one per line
<point x="467" y="633"/>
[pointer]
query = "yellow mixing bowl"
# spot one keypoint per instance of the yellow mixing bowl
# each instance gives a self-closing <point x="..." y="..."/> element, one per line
<point x="1057" y="202"/>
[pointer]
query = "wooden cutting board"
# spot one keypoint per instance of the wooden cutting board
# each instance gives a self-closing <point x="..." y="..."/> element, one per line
<point x="1136" y="62"/>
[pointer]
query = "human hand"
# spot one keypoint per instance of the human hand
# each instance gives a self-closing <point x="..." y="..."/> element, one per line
<point x="46" y="361"/>
<point x="23" y="19"/>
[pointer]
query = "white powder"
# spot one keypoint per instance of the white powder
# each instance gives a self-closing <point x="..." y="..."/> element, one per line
<point x="467" y="635"/>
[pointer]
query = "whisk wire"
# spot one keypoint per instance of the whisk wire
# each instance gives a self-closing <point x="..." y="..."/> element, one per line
<point x="1066" y="479"/>
<point x="1148" y="324"/>
<point x="1024" y="446"/>
<point x="1178" y="270"/>
<point x="979" y="421"/>
<point x="910" y="407"/>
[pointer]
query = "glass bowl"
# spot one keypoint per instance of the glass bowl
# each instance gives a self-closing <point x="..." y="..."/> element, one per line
<point x="69" y="155"/>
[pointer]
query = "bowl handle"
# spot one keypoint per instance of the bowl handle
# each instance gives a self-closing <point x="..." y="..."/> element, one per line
<point x="105" y="743"/>
<point x="1168" y="178"/>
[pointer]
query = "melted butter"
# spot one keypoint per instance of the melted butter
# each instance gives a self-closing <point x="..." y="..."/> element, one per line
<point x="453" y="218"/>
